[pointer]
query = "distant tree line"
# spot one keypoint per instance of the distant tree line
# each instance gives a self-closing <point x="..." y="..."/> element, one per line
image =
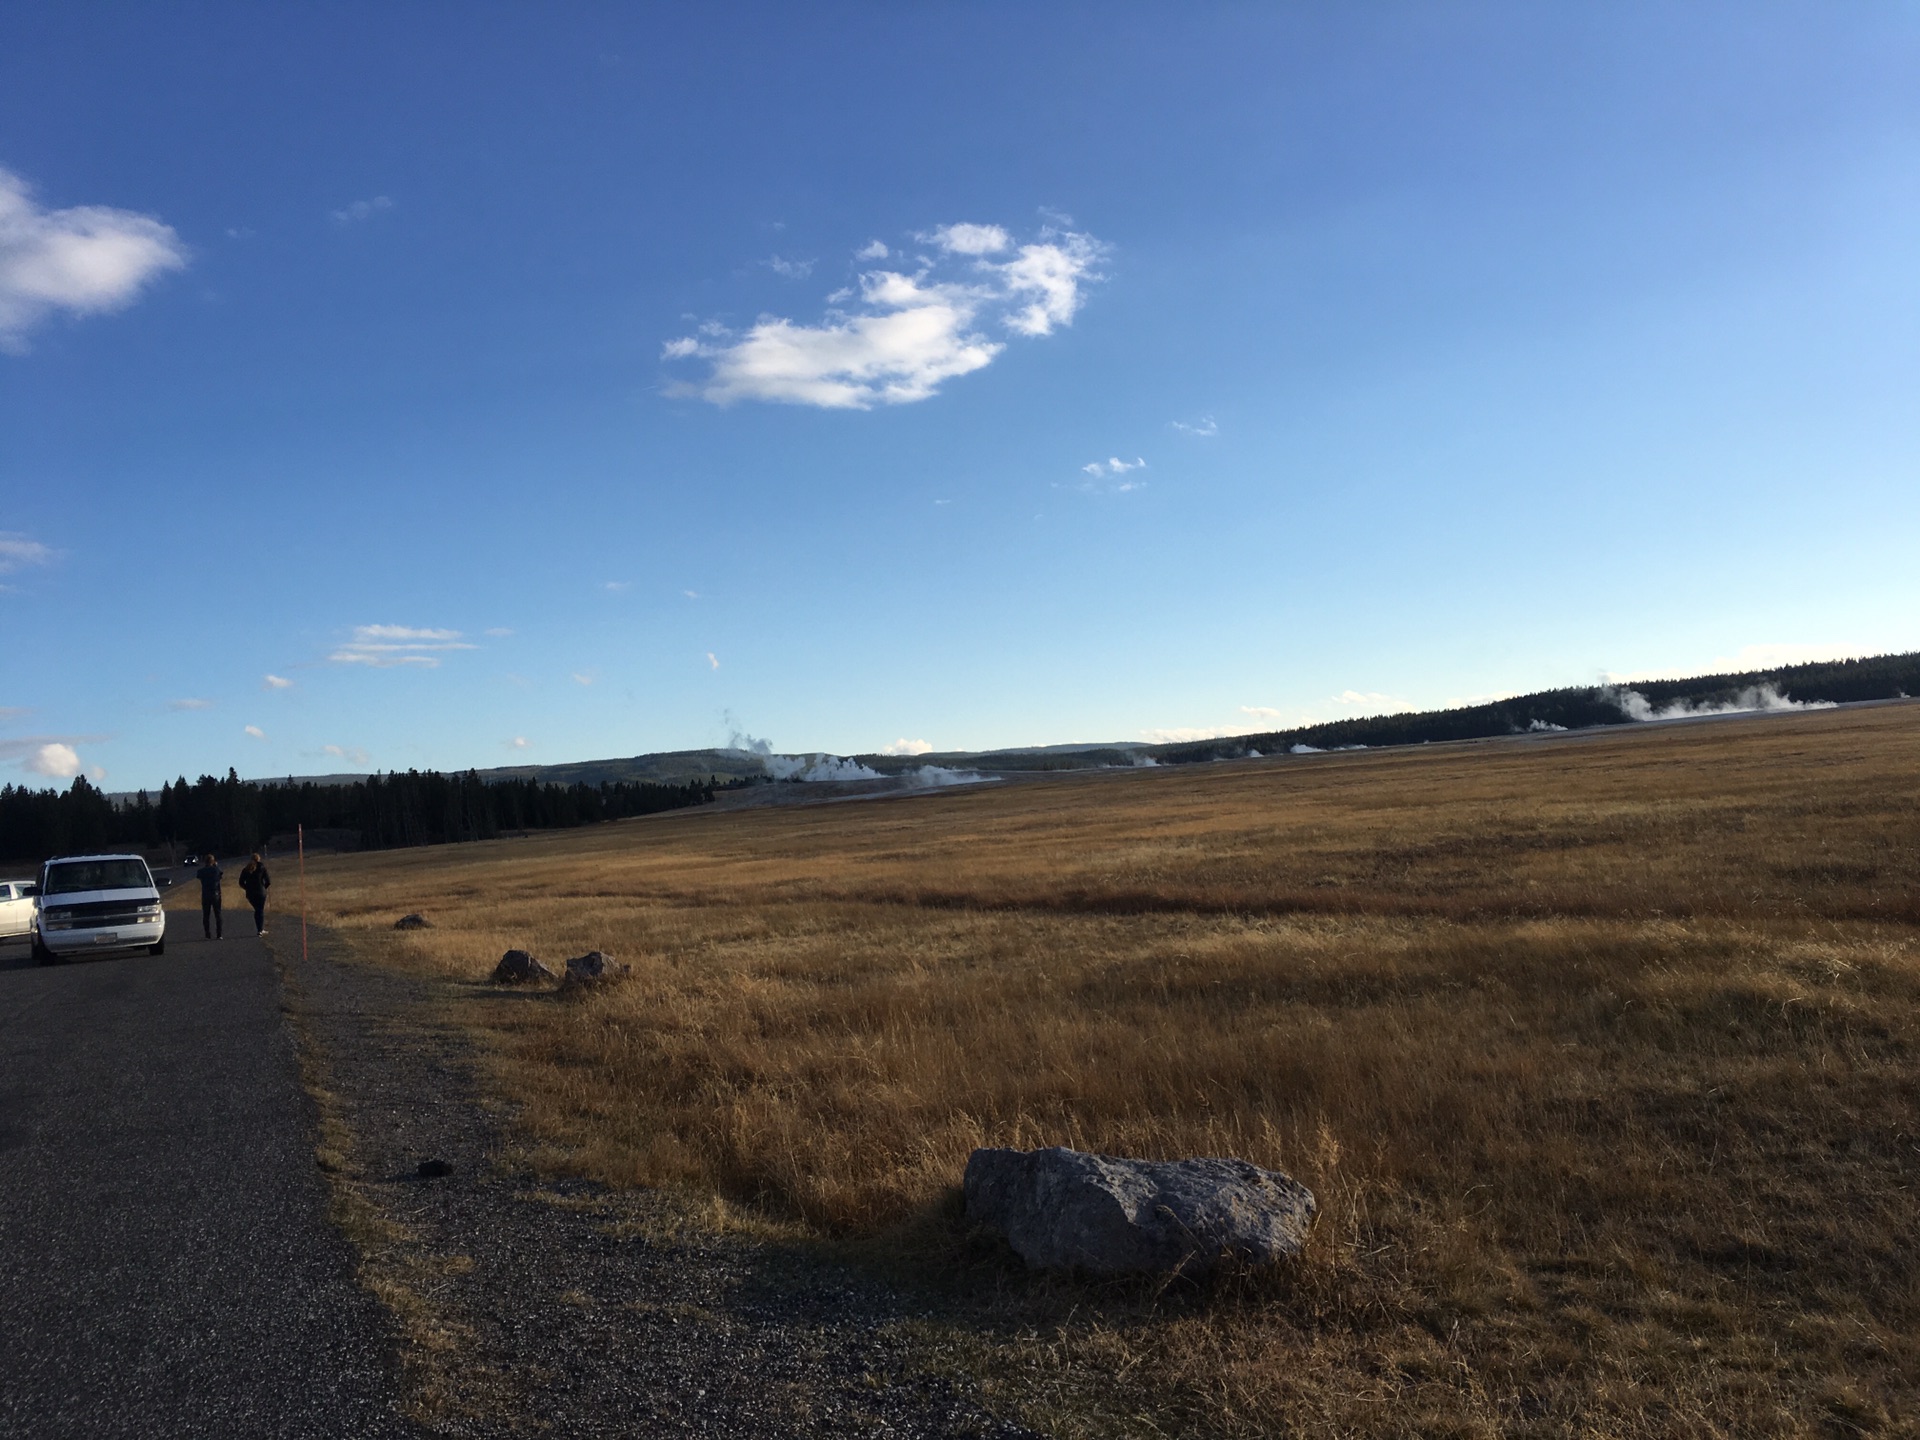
<point x="1883" y="677"/>
<point x="420" y="807"/>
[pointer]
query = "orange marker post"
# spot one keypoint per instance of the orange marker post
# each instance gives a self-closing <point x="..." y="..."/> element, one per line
<point x="300" y="836"/>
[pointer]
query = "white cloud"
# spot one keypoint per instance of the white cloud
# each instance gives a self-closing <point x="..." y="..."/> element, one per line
<point x="1260" y="712"/>
<point x="88" y="259"/>
<point x="189" y="705"/>
<point x="1051" y="275"/>
<point x="1372" y="699"/>
<point x="54" y="759"/>
<point x="256" y="732"/>
<point x="1114" y="466"/>
<point x="1205" y="427"/>
<point x="713" y="660"/>
<point x="519" y="742"/>
<point x="356" y="211"/>
<point x="1177" y="735"/>
<point x="792" y="269"/>
<point x="907" y="747"/>
<point x="385" y="646"/>
<point x="96" y="773"/>
<point x="615" y="587"/>
<point x="966" y="239"/>
<point x="353" y="755"/>
<point x="691" y="594"/>
<point x="500" y="632"/>
<point x="581" y="677"/>
<point x="18" y="551"/>
<point x="872" y="250"/>
<point x="275" y="682"/>
<point x="909" y="334"/>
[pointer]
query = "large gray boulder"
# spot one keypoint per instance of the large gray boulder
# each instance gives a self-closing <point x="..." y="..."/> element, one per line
<point x="1067" y="1210"/>
<point x="517" y="967"/>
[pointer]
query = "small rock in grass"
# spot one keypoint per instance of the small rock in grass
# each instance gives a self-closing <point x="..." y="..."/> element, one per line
<point x="517" y="967"/>
<point x="435" y="1169"/>
<point x="413" y="922"/>
<point x="593" y="968"/>
<point x="1064" y="1209"/>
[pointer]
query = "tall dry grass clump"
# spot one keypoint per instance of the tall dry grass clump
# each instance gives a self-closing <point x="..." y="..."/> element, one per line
<point x="1600" y="1053"/>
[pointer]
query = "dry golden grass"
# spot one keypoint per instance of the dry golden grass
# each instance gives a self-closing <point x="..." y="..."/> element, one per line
<point x="1601" y="1052"/>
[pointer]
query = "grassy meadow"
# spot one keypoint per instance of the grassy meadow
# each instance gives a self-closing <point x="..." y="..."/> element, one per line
<point x="1601" y="1051"/>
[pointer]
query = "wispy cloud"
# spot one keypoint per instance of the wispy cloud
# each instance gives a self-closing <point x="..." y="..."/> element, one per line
<point x="907" y="747"/>
<point x="189" y="704"/>
<point x="906" y="333"/>
<point x="582" y="677"/>
<point x="615" y="587"/>
<point x="713" y="660"/>
<point x="1115" y="466"/>
<point x="691" y="594"/>
<point x="384" y="647"/>
<point x="275" y="682"/>
<point x="1181" y="734"/>
<point x="352" y="754"/>
<point x="356" y="211"/>
<point x="499" y="632"/>
<point x="519" y="742"/>
<point x="18" y="551"/>
<point x="1260" y="712"/>
<point x="1206" y="427"/>
<point x="872" y="250"/>
<point x="1372" y="700"/>
<point x="256" y="732"/>
<point x="86" y="260"/>
<point x="792" y="269"/>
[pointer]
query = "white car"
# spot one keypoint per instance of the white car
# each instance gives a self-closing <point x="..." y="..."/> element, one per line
<point x="16" y="908"/>
<point x="97" y="904"/>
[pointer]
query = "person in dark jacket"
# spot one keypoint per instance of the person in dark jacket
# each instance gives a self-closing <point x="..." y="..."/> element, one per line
<point x="209" y="876"/>
<point x="254" y="880"/>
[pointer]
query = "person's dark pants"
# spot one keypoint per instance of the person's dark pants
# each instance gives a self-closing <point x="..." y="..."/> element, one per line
<point x="210" y="917"/>
<point x="260" y="915"/>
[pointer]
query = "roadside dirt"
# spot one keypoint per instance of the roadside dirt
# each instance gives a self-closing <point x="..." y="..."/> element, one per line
<point x="557" y="1308"/>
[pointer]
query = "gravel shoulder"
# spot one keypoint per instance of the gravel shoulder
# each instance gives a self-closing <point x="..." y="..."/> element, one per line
<point x="534" y="1306"/>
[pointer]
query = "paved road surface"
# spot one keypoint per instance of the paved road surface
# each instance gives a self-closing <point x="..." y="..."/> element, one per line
<point x="166" y="1266"/>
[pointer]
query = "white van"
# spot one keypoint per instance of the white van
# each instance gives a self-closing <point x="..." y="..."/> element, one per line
<point x="97" y="904"/>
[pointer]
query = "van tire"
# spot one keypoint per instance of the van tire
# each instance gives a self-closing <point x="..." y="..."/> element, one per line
<point x="159" y="947"/>
<point x="42" y="954"/>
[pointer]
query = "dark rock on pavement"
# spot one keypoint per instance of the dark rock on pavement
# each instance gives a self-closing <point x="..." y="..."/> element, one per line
<point x="1065" y="1209"/>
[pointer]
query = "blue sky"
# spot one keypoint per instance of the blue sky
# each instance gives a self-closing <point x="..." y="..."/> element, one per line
<point x="441" y="385"/>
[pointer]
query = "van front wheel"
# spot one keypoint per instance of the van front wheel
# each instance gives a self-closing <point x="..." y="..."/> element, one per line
<point x="159" y="947"/>
<point x="43" y="954"/>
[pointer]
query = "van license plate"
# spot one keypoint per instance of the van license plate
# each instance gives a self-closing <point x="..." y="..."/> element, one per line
<point x="107" y="939"/>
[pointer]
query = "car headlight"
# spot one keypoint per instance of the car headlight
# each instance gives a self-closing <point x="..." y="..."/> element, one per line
<point x="148" y="912"/>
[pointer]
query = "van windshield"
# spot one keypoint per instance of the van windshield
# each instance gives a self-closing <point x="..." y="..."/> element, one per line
<point x="76" y="875"/>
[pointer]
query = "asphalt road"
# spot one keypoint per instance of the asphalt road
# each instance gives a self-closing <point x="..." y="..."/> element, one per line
<point x="166" y="1264"/>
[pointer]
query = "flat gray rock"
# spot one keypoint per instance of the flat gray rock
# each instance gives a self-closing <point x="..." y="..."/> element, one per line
<point x="1064" y="1209"/>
